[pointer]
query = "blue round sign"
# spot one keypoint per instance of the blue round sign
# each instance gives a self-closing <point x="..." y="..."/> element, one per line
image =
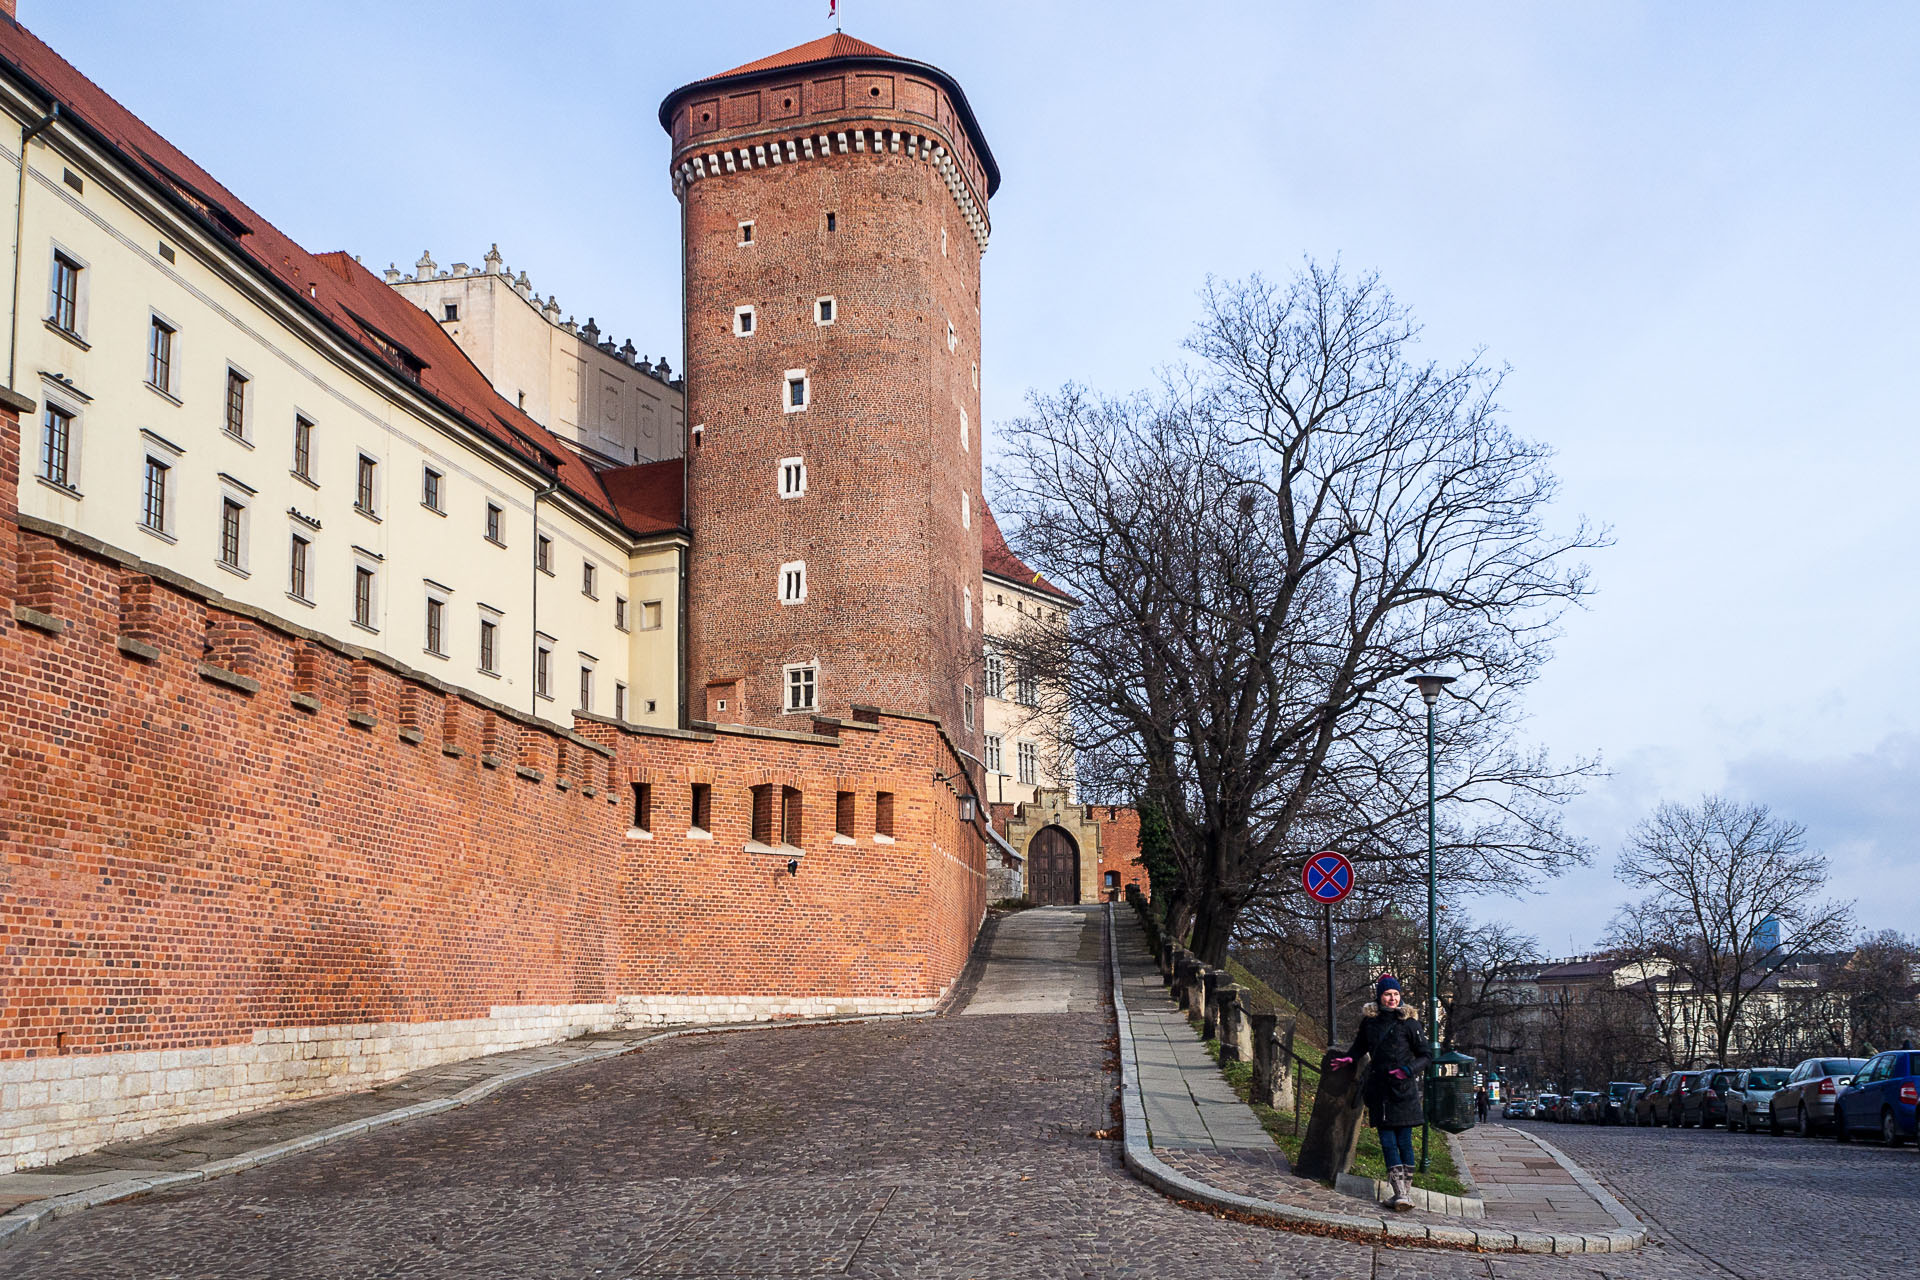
<point x="1327" y="877"/>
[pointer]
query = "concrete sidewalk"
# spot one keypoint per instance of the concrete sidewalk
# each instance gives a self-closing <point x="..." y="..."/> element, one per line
<point x="1201" y="1142"/>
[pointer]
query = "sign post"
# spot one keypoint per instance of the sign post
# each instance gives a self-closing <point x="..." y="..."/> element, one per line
<point x="1328" y="878"/>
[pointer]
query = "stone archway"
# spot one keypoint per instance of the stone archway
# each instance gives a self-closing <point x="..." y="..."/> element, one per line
<point x="1050" y="807"/>
<point x="1053" y="867"/>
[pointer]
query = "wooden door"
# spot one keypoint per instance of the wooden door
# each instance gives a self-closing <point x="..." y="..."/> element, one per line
<point x="1053" y="868"/>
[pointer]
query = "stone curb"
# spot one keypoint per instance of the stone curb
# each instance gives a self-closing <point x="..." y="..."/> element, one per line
<point x="1592" y="1186"/>
<point x="39" y="1213"/>
<point x="1146" y="1166"/>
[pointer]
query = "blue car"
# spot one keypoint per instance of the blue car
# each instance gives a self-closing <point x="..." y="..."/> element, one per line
<point x="1881" y="1099"/>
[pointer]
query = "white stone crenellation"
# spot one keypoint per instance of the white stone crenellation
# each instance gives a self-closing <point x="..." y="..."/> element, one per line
<point x="54" y="1108"/>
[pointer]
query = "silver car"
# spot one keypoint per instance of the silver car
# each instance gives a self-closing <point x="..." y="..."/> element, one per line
<point x="1750" y="1100"/>
<point x="1805" y="1102"/>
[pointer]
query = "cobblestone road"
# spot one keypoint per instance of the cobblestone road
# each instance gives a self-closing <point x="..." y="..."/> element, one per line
<point x="1755" y="1206"/>
<point x="951" y="1147"/>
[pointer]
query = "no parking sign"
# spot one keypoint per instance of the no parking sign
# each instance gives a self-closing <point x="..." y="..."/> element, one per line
<point x="1327" y="877"/>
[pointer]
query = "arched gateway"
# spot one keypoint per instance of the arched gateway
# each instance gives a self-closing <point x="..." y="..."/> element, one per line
<point x="1053" y="867"/>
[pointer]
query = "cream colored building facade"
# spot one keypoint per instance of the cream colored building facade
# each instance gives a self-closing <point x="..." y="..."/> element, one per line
<point x="612" y="403"/>
<point x="1024" y="745"/>
<point x="266" y="453"/>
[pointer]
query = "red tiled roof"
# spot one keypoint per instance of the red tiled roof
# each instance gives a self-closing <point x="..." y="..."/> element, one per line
<point x="341" y="291"/>
<point x="997" y="558"/>
<point x="826" y="47"/>
<point x="648" y="496"/>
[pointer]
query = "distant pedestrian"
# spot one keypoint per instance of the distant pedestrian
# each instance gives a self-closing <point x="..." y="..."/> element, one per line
<point x="1480" y="1102"/>
<point x="1389" y="1035"/>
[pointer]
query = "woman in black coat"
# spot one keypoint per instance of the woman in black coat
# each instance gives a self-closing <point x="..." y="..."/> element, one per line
<point x="1390" y="1036"/>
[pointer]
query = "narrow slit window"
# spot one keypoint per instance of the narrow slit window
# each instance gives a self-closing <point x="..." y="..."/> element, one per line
<point x="702" y="807"/>
<point x="843" y="813"/>
<point x="790" y="817"/>
<point x="883" y="814"/>
<point x="762" y="832"/>
<point x="643" y="806"/>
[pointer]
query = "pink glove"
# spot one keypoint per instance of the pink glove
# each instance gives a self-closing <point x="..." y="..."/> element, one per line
<point x="1339" y="1064"/>
<point x="1397" y="1074"/>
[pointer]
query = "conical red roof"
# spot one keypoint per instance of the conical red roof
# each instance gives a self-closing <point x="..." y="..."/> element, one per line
<point x="836" y="45"/>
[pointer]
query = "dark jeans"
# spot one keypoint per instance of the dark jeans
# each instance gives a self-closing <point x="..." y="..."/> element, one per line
<point x="1396" y="1145"/>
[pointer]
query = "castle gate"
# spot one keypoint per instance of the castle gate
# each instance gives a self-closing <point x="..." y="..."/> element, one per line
<point x="1053" y="868"/>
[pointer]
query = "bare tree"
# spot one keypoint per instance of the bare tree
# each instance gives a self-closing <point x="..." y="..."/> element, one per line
<point x="1717" y="873"/>
<point x="1880" y="984"/>
<point x="1478" y="997"/>
<point x="1266" y="547"/>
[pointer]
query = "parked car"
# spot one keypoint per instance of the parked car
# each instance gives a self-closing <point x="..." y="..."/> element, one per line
<point x="1704" y="1101"/>
<point x="1630" y="1108"/>
<point x="1643" y="1105"/>
<point x="1563" y="1109"/>
<point x="1585" y="1107"/>
<point x="1750" y="1101"/>
<point x="1533" y="1108"/>
<point x="1666" y="1103"/>
<point x="1516" y="1109"/>
<point x="1882" y="1099"/>
<point x="1805" y="1102"/>
<point x="1550" y="1106"/>
<point x="1616" y="1104"/>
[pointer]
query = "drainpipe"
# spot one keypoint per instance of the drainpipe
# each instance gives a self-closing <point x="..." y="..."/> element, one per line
<point x="27" y="134"/>
<point x="682" y="658"/>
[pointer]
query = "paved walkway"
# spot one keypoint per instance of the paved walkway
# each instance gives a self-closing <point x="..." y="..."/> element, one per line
<point x="1198" y="1126"/>
<point x="1190" y="1106"/>
<point x="941" y="1148"/>
<point x="1522" y="1182"/>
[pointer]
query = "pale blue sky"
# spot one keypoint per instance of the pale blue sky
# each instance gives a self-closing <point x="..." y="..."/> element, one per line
<point x="1689" y="228"/>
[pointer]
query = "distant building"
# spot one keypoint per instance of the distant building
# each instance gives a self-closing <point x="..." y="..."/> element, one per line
<point x="612" y="404"/>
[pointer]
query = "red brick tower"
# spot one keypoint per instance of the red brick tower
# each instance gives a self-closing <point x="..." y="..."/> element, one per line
<point x="834" y="210"/>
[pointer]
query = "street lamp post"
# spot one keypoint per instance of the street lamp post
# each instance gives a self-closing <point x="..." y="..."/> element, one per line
<point x="1430" y="687"/>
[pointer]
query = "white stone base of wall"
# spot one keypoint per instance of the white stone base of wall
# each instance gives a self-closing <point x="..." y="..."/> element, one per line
<point x="54" y="1108"/>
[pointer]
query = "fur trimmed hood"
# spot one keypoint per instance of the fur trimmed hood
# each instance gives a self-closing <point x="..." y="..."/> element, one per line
<point x="1373" y="1010"/>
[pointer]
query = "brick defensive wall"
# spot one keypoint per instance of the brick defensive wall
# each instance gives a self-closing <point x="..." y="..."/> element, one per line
<point x="240" y="864"/>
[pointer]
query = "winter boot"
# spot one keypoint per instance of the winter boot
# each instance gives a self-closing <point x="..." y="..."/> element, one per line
<point x="1402" y="1178"/>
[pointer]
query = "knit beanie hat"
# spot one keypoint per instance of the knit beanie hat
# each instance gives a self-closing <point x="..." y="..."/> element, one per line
<point x="1387" y="983"/>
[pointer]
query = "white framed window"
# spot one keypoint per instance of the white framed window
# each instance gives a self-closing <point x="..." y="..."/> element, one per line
<point x="449" y="311"/>
<point x="996" y="675"/>
<point x="743" y="322"/>
<point x="793" y="477"/>
<point x="1026" y="690"/>
<point x="823" y="309"/>
<point x="60" y="446"/>
<point x="366" y="601"/>
<point x="543" y="554"/>
<point x="366" y="486"/>
<point x="237" y="410"/>
<point x="799" y="391"/>
<point x="436" y="623"/>
<point x="160" y="344"/>
<point x="793" y="582"/>
<point x="969" y="706"/>
<point x="802" y="681"/>
<point x="543" y="669"/>
<point x="1029" y="763"/>
<point x="299" y="566"/>
<point x="489" y="642"/>
<point x="156" y="494"/>
<point x="746" y="233"/>
<point x="433" y="490"/>
<point x="649" y="615"/>
<point x="233" y="532"/>
<point x="589" y="580"/>
<point x="586" y="686"/>
<point x="619" y="701"/>
<point x="303" y="447"/>
<point x="67" y="292"/>
<point x="621" y="616"/>
<point x="966" y="607"/>
<point x="496" y="517"/>
<point x="966" y="510"/>
<point x="966" y="433"/>
<point x="994" y="748"/>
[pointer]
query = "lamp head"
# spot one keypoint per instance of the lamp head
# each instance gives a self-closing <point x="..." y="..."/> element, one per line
<point x="1430" y="686"/>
